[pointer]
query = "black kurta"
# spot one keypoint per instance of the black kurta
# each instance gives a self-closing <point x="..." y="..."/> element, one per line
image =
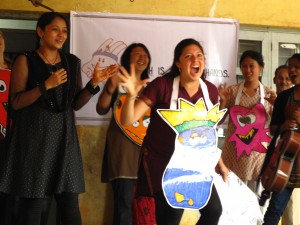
<point x="44" y="156"/>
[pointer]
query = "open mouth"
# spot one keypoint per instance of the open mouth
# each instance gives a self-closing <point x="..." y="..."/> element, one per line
<point x="195" y="69"/>
<point x="140" y="63"/>
<point x="248" y="137"/>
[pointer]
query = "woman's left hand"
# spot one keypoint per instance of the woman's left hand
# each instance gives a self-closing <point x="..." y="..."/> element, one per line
<point x="271" y="97"/>
<point x="296" y="115"/>
<point x="101" y="75"/>
<point x="129" y="81"/>
<point x="222" y="169"/>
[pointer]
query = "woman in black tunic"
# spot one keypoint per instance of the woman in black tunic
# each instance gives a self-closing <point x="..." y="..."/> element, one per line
<point x="44" y="157"/>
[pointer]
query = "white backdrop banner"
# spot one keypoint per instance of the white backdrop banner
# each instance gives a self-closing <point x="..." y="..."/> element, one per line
<point x="104" y="36"/>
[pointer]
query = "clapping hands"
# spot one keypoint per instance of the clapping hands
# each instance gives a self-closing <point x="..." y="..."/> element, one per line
<point x="101" y="75"/>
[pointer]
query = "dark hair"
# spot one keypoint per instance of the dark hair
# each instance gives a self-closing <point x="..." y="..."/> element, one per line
<point x="173" y="71"/>
<point x="125" y="58"/>
<point x="295" y="56"/>
<point x="278" y="69"/>
<point x="257" y="56"/>
<point x="7" y="60"/>
<point x="44" y="20"/>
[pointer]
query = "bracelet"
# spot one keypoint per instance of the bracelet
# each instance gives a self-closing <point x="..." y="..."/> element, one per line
<point x="107" y="91"/>
<point x="91" y="89"/>
<point x="133" y="97"/>
<point x="43" y="90"/>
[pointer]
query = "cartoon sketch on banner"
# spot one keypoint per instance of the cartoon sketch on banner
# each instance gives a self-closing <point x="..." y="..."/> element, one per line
<point x="188" y="177"/>
<point x="4" y="92"/>
<point x="106" y="54"/>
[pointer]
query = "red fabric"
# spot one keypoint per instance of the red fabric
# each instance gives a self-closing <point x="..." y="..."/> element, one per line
<point x="4" y="92"/>
<point x="143" y="211"/>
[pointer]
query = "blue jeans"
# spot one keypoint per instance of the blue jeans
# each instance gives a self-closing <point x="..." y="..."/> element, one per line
<point x="123" y="198"/>
<point x="277" y="206"/>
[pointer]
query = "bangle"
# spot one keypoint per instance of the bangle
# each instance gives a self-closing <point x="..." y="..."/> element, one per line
<point x="133" y="97"/>
<point x="43" y="90"/>
<point x="107" y="91"/>
<point x="91" y="89"/>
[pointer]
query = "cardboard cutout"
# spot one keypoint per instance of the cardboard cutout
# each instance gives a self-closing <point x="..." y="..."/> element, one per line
<point x="250" y="129"/>
<point x="137" y="131"/>
<point x="188" y="177"/>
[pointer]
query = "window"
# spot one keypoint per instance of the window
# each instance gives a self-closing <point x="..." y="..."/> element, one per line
<point x="276" y="46"/>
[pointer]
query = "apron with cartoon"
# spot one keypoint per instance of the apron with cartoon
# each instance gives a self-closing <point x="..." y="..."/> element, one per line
<point x="143" y="207"/>
<point x="250" y="132"/>
<point x="136" y="131"/>
<point x="188" y="177"/>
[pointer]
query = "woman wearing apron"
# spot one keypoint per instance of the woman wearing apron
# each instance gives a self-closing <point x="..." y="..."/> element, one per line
<point x="183" y="78"/>
<point x="120" y="161"/>
<point x="249" y="117"/>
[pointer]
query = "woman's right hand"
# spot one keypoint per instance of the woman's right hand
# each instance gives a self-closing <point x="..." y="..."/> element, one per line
<point x="288" y="124"/>
<point x="130" y="82"/>
<point x="56" y="78"/>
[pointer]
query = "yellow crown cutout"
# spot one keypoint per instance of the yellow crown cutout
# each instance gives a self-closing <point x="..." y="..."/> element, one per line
<point x="191" y="115"/>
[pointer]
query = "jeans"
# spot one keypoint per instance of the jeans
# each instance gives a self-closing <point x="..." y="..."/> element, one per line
<point x="123" y="198"/>
<point x="277" y="206"/>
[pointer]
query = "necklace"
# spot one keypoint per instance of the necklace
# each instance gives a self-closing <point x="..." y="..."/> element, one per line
<point x="51" y="63"/>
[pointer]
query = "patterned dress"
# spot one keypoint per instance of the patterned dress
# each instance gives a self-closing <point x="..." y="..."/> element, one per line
<point x="247" y="167"/>
<point x="44" y="156"/>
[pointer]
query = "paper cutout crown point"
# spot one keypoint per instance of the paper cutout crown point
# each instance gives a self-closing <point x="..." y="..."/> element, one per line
<point x="190" y="116"/>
